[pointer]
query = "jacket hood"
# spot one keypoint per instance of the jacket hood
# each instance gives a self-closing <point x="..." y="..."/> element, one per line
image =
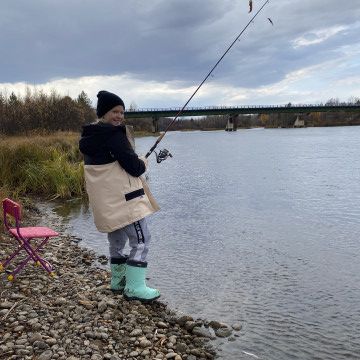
<point x="96" y="135"/>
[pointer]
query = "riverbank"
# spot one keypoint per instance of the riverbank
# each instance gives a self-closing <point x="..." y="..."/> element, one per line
<point x="76" y="316"/>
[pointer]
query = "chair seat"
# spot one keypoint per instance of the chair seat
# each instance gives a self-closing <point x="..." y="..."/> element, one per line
<point x="34" y="232"/>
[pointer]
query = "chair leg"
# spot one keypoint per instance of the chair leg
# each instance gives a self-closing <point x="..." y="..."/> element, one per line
<point x="33" y="253"/>
<point x="22" y="245"/>
<point x="34" y="256"/>
<point x="8" y="260"/>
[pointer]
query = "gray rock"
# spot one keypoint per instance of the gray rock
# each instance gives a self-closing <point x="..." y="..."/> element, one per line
<point x="51" y="341"/>
<point x="23" y="352"/>
<point x="203" y="332"/>
<point x="170" y="355"/>
<point x="39" y="344"/>
<point x="114" y="357"/>
<point x="182" y="348"/>
<point x="189" y="325"/>
<point x="6" y="336"/>
<point x="96" y="357"/>
<point x="196" y="352"/>
<point x="102" y="306"/>
<point x="173" y="339"/>
<point x="191" y="357"/>
<point x="237" y="327"/>
<point x="19" y="328"/>
<point x="10" y="345"/>
<point x="21" y="341"/>
<point x="46" y="355"/>
<point x="145" y="343"/>
<point x="217" y="325"/>
<point x="162" y="325"/>
<point x="183" y="319"/>
<point x="136" y="332"/>
<point x="6" y="305"/>
<point x="60" y="301"/>
<point x="223" y="332"/>
<point x="146" y="352"/>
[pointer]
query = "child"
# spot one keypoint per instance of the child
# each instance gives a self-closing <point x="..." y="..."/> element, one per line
<point x="119" y="197"/>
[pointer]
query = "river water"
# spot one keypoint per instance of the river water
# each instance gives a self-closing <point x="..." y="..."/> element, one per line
<point x="259" y="227"/>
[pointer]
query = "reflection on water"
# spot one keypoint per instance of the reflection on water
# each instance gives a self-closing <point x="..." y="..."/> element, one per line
<point x="71" y="209"/>
<point x="257" y="227"/>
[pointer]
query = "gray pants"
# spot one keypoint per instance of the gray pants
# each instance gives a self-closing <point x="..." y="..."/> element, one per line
<point x="139" y="239"/>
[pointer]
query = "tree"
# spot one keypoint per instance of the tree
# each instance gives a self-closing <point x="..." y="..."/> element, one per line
<point x="133" y="106"/>
<point x="85" y="104"/>
<point x="333" y="101"/>
<point x="83" y="99"/>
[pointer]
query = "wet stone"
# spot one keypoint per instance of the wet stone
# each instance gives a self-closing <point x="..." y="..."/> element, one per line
<point x="189" y="325"/>
<point x="237" y="327"/>
<point x="191" y="357"/>
<point x="217" y="325"/>
<point x="223" y="332"/>
<point x="199" y="331"/>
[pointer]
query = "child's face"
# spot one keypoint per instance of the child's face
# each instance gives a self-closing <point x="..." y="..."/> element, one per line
<point x="115" y="116"/>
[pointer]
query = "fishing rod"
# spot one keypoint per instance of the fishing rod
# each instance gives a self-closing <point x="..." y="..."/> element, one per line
<point x="163" y="154"/>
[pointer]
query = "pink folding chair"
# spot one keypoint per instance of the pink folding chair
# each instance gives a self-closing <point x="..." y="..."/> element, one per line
<point x="30" y="239"/>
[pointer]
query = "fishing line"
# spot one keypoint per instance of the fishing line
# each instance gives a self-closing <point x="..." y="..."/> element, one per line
<point x="201" y="84"/>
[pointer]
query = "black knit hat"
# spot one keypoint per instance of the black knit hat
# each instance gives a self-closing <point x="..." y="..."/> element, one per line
<point x="107" y="101"/>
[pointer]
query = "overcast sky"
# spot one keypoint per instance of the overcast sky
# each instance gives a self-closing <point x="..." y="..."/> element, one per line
<point x="154" y="53"/>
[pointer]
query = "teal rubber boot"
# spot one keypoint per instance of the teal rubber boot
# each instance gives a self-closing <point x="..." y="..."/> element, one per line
<point x="136" y="288"/>
<point x="118" y="272"/>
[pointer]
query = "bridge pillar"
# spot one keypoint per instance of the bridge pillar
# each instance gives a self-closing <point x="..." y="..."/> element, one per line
<point x="155" y="124"/>
<point x="299" y="122"/>
<point x="232" y="122"/>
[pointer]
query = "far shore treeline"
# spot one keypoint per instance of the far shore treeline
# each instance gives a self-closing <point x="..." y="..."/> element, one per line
<point x="39" y="112"/>
<point x="39" y="134"/>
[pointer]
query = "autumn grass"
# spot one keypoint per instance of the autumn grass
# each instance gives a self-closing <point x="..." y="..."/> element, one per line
<point x="49" y="166"/>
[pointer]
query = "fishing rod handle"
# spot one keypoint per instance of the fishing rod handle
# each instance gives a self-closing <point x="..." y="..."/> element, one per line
<point x="154" y="146"/>
<point x="150" y="151"/>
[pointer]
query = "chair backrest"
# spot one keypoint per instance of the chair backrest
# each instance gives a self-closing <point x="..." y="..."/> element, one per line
<point x="13" y="209"/>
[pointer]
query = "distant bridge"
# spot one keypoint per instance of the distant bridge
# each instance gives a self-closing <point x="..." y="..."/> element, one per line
<point x="157" y="113"/>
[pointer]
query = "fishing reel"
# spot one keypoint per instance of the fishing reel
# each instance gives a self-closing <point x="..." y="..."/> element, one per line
<point x="162" y="155"/>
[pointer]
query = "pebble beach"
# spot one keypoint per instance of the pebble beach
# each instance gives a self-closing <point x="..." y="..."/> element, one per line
<point x="75" y="315"/>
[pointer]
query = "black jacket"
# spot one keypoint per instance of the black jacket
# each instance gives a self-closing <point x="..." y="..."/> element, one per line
<point x="104" y="143"/>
